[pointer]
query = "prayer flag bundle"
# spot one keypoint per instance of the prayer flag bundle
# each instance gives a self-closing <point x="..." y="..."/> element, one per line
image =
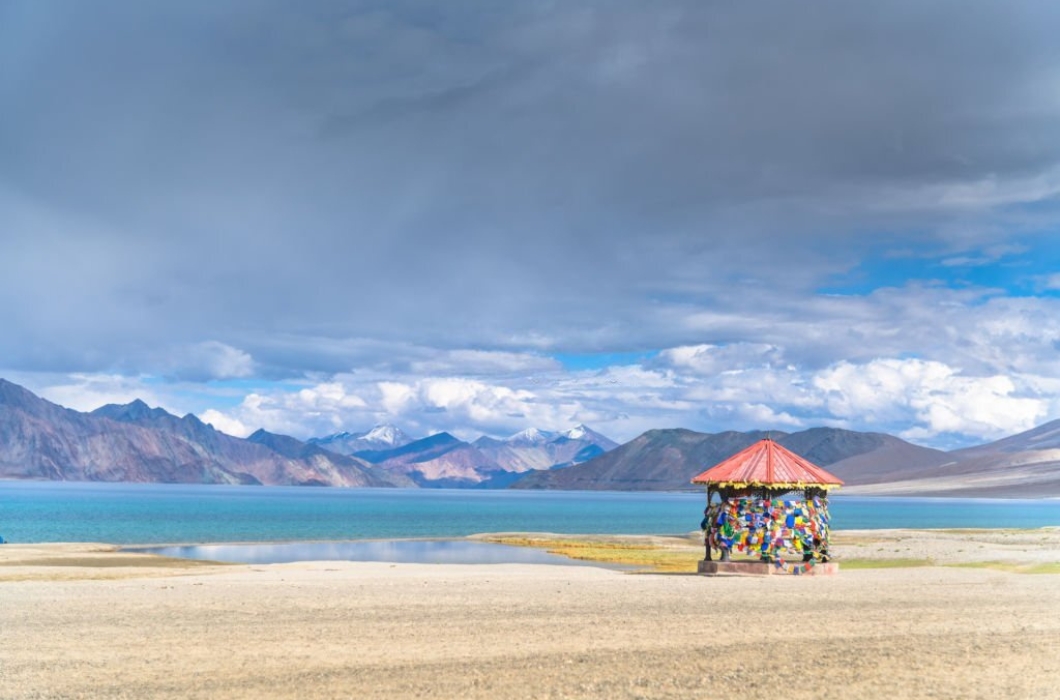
<point x="769" y="528"/>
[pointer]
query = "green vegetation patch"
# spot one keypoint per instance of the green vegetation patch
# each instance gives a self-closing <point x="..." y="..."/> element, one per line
<point x="884" y="563"/>
<point x="643" y="556"/>
<point x="1050" y="567"/>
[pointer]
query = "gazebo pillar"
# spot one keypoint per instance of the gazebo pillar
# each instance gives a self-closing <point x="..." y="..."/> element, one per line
<point x="710" y="525"/>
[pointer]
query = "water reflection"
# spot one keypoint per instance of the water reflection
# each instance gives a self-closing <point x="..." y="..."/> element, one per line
<point x="403" y="551"/>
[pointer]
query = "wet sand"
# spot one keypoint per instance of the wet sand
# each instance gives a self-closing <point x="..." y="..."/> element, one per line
<point x="86" y="621"/>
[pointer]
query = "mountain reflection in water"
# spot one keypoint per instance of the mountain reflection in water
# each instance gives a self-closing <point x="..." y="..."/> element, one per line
<point x="402" y="551"/>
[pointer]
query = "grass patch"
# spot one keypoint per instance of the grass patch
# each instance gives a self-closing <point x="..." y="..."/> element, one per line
<point x="1050" y="567"/>
<point x="643" y="556"/>
<point x="884" y="563"/>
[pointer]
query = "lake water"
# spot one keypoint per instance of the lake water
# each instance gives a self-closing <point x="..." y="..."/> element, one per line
<point x="191" y="514"/>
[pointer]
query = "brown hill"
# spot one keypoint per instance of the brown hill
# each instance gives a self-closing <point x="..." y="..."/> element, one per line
<point x="658" y="460"/>
<point x="1026" y="465"/>
<point x="864" y="458"/>
<point x="668" y="459"/>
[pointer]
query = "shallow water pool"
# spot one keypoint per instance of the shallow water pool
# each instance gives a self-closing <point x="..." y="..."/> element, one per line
<point x="402" y="551"/>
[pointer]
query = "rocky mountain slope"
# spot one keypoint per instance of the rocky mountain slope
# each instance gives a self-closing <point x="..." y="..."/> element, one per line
<point x="41" y="440"/>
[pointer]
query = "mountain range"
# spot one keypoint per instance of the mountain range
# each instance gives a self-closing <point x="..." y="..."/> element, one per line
<point x="1023" y="465"/>
<point x="134" y="442"/>
<point x="444" y="461"/>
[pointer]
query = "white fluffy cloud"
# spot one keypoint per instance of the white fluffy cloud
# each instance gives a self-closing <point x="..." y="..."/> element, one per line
<point x="711" y="359"/>
<point x="699" y="387"/>
<point x="313" y="410"/>
<point x="224" y="423"/>
<point x="696" y="387"/>
<point x="87" y="392"/>
<point x="421" y="406"/>
<point x="931" y="397"/>
<point x="208" y="360"/>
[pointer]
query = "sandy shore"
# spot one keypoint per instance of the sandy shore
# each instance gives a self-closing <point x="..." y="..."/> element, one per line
<point x="86" y="621"/>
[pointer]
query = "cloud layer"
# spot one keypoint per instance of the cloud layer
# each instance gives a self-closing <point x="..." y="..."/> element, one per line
<point x="840" y="213"/>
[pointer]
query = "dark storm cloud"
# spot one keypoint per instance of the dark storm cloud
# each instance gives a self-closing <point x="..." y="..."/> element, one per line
<point x="534" y="175"/>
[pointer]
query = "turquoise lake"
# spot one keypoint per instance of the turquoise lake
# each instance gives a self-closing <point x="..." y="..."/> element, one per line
<point x="171" y="513"/>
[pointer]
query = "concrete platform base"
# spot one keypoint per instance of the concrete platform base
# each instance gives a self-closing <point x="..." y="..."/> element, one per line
<point x="760" y="568"/>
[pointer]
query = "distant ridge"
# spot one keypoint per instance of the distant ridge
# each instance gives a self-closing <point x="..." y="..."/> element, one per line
<point x="440" y="460"/>
<point x="444" y="460"/>
<point x="533" y="449"/>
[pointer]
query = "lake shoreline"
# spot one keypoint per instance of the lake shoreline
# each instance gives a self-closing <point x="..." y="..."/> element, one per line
<point x="1012" y="547"/>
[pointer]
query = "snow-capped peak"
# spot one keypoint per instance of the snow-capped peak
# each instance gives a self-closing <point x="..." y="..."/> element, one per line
<point x="531" y="435"/>
<point x="576" y="433"/>
<point x="384" y="434"/>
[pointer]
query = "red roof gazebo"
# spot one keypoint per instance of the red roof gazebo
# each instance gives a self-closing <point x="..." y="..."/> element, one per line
<point x="771" y="502"/>
<point x="767" y="465"/>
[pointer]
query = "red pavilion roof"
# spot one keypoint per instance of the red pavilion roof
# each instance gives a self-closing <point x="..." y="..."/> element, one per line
<point x="766" y="463"/>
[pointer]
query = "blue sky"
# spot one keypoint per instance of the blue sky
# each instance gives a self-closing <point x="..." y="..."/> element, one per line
<point x="1021" y="267"/>
<point x="480" y="217"/>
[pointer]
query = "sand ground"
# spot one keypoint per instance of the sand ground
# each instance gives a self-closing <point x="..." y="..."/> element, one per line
<point x="83" y="621"/>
